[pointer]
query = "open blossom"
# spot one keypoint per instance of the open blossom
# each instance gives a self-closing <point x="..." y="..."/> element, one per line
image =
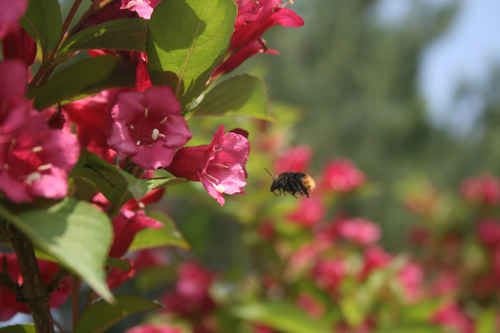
<point x="144" y="8"/>
<point x="483" y="189"/>
<point x="34" y="159"/>
<point x="342" y="176"/>
<point x="148" y="127"/>
<point x="360" y="231"/>
<point x="219" y="166"/>
<point x="254" y="18"/>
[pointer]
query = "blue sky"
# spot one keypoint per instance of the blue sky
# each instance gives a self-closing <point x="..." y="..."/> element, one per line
<point x="465" y="52"/>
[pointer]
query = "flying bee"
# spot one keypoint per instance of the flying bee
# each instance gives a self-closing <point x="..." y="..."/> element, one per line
<point x="292" y="182"/>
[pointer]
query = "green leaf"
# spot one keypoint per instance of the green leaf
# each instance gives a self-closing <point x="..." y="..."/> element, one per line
<point x="281" y="316"/>
<point x="167" y="236"/>
<point x="186" y="41"/>
<point x="26" y="328"/>
<point x="42" y="21"/>
<point x="122" y="265"/>
<point x="117" y="185"/>
<point x="242" y="95"/>
<point x="121" y="34"/>
<point x="487" y="321"/>
<point x="101" y="315"/>
<point x="74" y="232"/>
<point x="84" y="78"/>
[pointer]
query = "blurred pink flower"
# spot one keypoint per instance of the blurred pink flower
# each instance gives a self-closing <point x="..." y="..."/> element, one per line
<point x="150" y="328"/>
<point x="374" y="257"/>
<point x="359" y="230"/>
<point x="294" y="159"/>
<point x="148" y="127"/>
<point x="445" y="283"/>
<point x="342" y="176"/>
<point x="220" y="166"/>
<point x="451" y="317"/>
<point x="253" y="19"/>
<point x="9" y="306"/>
<point x="488" y="232"/>
<point x="309" y="212"/>
<point x="191" y="296"/>
<point x="483" y="189"/>
<point x="329" y="273"/>
<point x="10" y="14"/>
<point x="411" y="277"/>
<point x="308" y="303"/>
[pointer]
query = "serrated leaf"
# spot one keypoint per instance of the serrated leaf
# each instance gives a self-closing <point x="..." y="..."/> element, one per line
<point x="121" y="34"/>
<point x="281" y="316"/>
<point x="74" y="232"/>
<point x="84" y="78"/>
<point x="101" y="315"/>
<point x="42" y="21"/>
<point x="168" y="235"/>
<point x="186" y="41"/>
<point x="26" y="328"/>
<point x="242" y="95"/>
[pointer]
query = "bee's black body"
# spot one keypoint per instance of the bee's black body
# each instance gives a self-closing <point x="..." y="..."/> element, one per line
<point x="292" y="182"/>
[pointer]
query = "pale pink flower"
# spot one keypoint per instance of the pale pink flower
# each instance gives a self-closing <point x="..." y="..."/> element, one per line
<point x="144" y="8"/>
<point x="148" y="127"/>
<point x="359" y="230"/>
<point x="219" y="166"/>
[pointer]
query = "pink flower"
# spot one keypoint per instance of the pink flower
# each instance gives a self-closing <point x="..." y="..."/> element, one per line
<point x="342" y="176"/>
<point x="450" y="316"/>
<point x="360" y="231"/>
<point x="19" y="45"/>
<point x="488" y="232"/>
<point x="296" y="159"/>
<point x="483" y="189"/>
<point x="311" y="305"/>
<point x="446" y="283"/>
<point x="92" y="116"/>
<point x="411" y="277"/>
<point x="125" y="226"/>
<point x="328" y="274"/>
<point x="309" y="212"/>
<point x="10" y="14"/>
<point x="254" y="18"/>
<point x="34" y="159"/>
<point x="150" y="328"/>
<point x="8" y="303"/>
<point x="374" y="257"/>
<point x="144" y="8"/>
<point x="148" y="127"/>
<point x="191" y="297"/>
<point x="220" y="166"/>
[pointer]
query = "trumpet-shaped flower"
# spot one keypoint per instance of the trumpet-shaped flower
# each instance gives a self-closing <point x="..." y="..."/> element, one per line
<point x="219" y="166"/>
<point x="148" y="127"/>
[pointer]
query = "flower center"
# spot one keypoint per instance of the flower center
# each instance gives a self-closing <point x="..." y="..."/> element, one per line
<point x="146" y="130"/>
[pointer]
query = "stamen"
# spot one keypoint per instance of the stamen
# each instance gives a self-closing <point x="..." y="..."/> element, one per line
<point x="146" y="113"/>
<point x="32" y="177"/>
<point x="161" y="135"/>
<point x="220" y="188"/>
<point x="138" y="142"/>
<point x="44" y="167"/>
<point x="155" y="133"/>
<point x="221" y="165"/>
<point x="6" y="166"/>
<point x="163" y="121"/>
<point x="37" y="149"/>
<point x="212" y="177"/>
<point x="12" y="143"/>
<point x="132" y="126"/>
<point x="141" y="205"/>
<point x="217" y="150"/>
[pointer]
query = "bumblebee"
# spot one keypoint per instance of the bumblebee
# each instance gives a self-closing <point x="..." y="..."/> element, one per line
<point x="292" y="182"/>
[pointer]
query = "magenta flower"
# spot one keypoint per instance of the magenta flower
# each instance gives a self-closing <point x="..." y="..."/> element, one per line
<point x="309" y="212"/>
<point x="144" y="8"/>
<point x="10" y="13"/>
<point x="342" y="176"/>
<point x="328" y="274"/>
<point x="483" y="189"/>
<point x="219" y="166"/>
<point x="34" y="159"/>
<point x="148" y="127"/>
<point x="296" y="159"/>
<point x="254" y="18"/>
<point x="150" y="328"/>
<point x="360" y="231"/>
